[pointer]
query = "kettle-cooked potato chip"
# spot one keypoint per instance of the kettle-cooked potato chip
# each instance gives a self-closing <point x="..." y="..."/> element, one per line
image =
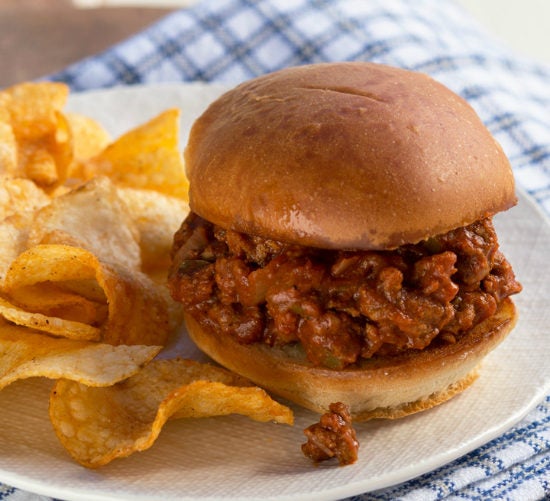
<point x="26" y="353"/>
<point x="13" y="235"/>
<point x="8" y="144"/>
<point x="19" y="195"/>
<point x="92" y="217"/>
<point x="97" y="425"/>
<point x="146" y="157"/>
<point x="157" y="217"/>
<point x="40" y="165"/>
<point x="44" y="149"/>
<point x="52" y="325"/>
<point x="138" y="310"/>
<point x="34" y="106"/>
<point x="89" y="136"/>
<point x="19" y="198"/>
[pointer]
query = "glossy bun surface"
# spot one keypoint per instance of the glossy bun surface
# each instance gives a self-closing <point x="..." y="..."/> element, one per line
<point x="345" y="155"/>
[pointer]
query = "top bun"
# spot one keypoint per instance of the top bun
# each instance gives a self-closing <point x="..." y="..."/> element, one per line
<point x="345" y="156"/>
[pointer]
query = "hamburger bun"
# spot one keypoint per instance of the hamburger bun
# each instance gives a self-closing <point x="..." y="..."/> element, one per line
<point x="345" y="155"/>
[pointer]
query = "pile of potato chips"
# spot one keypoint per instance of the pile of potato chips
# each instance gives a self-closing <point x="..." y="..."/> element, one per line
<point x="86" y="226"/>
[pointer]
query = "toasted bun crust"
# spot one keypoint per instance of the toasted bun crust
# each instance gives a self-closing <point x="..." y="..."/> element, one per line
<point x="345" y="155"/>
<point x="390" y="387"/>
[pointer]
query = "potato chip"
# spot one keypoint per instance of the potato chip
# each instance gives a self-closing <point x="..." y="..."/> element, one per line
<point x="146" y="157"/>
<point x="28" y="354"/>
<point x="52" y="325"/>
<point x="34" y="106"/>
<point x="88" y="305"/>
<point x="19" y="198"/>
<point x="13" y="235"/>
<point x="89" y="137"/>
<point x="97" y="425"/>
<point x="157" y="217"/>
<point x="40" y="166"/>
<point x="62" y="150"/>
<point x="92" y="217"/>
<point x="8" y="144"/>
<point x="50" y="263"/>
<point x="44" y="149"/>
<point x="19" y="195"/>
<point x="138" y="310"/>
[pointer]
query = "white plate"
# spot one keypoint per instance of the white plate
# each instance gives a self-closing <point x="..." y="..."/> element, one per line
<point x="234" y="458"/>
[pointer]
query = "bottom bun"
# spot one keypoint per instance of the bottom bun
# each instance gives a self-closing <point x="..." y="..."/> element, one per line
<point x="382" y="387"/>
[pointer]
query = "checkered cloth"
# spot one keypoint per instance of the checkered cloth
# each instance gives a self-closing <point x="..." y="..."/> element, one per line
<point x="233" y="40"/>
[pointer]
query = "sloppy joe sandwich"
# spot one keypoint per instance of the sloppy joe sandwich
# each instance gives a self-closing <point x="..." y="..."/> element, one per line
<point x="340" y="244"/>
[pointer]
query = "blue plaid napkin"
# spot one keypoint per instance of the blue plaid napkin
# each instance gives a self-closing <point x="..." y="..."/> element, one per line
<point x="233" y="40"/>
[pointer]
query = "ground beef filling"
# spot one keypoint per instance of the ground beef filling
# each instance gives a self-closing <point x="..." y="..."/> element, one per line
<point x="340" y="306"/>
